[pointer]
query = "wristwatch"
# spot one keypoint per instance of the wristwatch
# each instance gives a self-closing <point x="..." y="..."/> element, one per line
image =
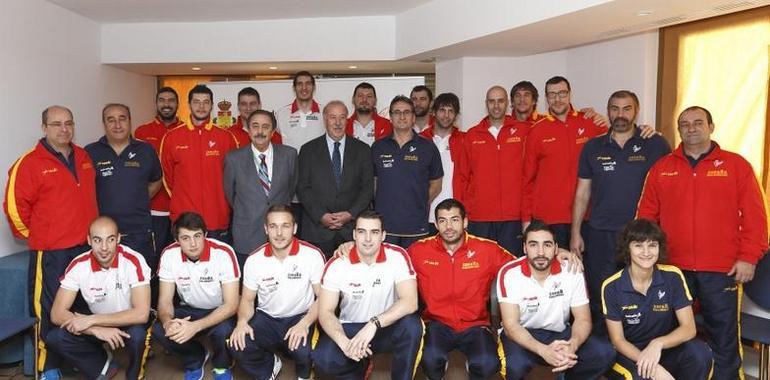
<point x="375" y="321"/>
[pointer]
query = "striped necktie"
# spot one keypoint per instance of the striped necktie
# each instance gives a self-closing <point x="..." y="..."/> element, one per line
<point x="264" y="179"/>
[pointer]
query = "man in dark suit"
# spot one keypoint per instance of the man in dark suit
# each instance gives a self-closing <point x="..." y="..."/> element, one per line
<point x="258" y="176"/>
<point x="336" y="182"/>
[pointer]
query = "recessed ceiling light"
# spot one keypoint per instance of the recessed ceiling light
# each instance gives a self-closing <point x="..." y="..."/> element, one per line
<point x="196" y="68"/>
<point x="273" y="67"/>
<point x="644" y="13"/>
<point x="352" y="67"/>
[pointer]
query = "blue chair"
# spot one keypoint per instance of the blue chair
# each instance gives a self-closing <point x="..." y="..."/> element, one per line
<point x="11" y="327"/>
<point x="755" y="327"/>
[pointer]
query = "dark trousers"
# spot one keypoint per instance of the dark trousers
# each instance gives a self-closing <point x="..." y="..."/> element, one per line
<point x="689" y="360"/>
<point x="505" y="233"/>
<point x="718" y="295"/>
<point x="257" y="358"/>
<point x="600" y="262"/>
<point x="297" y="210"/>
<point x="192" y="353"/>
<point x="45" y="269"/>
<point x="329" y="246"/>
<point x="478" y="344"/>
<point x="161" y="230"/>
<point x="403" y="241"/>
<point x="595" y="356"/>
<point x="403" y="339"/>
<point x="562" y="234"/>
<point x="221" y="235"/>
<point x="144" y="244"/>
<point x="87" y="353"/>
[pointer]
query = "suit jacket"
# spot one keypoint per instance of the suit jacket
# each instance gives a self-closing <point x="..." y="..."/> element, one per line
<point x="319" y="194"/>
<point x="248" y="199"/>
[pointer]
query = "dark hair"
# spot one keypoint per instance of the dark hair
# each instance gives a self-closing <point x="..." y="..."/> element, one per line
<point x="276" y="208"/>
<point x="624" y="94"/>
<point x="446" y="99"/>
<point x="365" y="85"/>
<point x="45" y="112"/>
<point x="695" y="108"/>
<point x="556" y="80"/>
<point x="200" y="89"/>
<point x="249" y="91"/>
<point x="369" y="214"/>
<point x="167" y="89"/>
<point x="421" y="88"/>
<point x="269" y="114"/>
<point x="640" y="230"/>
<point x="448" y="204"/>
<point x="115" y="105"/>
<point x="402" y="99"/>
<point x="190" y="221"/>
<point x="538" y="225"/>
<point x="302" y="73"/>
<point x="526" y="86"/>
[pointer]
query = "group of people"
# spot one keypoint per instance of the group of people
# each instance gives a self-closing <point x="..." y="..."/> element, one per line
<point x="228" y="230"/>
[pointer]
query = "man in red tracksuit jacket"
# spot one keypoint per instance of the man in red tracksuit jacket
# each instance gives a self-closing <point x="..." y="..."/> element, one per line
<point x="710" y="205"/>
<point x="489" y="173"/>
<point x="248" y="102"/>
<point x="192" y="157"/>
<point x="454" y="273"/>
<point x="365" y="123"/>
<point x="551" y="160"/>
<point x="50" y="200"/>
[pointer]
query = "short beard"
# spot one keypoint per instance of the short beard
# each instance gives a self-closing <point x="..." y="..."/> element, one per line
<point x="420" y="113"/>
<point x="364" y="111"/>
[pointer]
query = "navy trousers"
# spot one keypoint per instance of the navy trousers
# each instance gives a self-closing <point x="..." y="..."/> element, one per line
<point x="595" y="356"/>
<point x="600" y="262"/>
<point x="192" y="352"/>
<point x="87" y="353"/>
<point x="257" y="358"/>
<point x="689" y="360"/>
<point x="403" y="339"/>
<point x="403" y="241"/>
<point x="506" y="233"/>
<point x="478" y="344"/>
<point x="144" y="244"/>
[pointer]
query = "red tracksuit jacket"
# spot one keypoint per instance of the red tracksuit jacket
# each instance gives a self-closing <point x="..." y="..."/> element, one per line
<point x="456" y="288"/>
<point x="382" y="126"/>
<point x="488" y="174"/>
<point x="713" y="214"/>
<point x="152" y="133"/>
<point x="44" y="202"/>
<point x="193" y="162"/>
<point x="550" y="166"/>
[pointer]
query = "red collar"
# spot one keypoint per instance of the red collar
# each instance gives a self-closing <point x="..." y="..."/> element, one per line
<point x="355" y="259"/>
<point x="555" y="268"/>
<point x="430" y="132"/>
<point x="175" y="123"/>
<point x="292" y="252"/>
<point x="205" y="255"/>
<point x="95" y="266"/>
<point x="313" y="108"/>
<point x="207" y="124"/>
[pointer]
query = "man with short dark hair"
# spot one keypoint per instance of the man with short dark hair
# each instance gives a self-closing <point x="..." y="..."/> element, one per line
<point x="114" y="281"/>
<point x="421" y="97"/>
<point x="365" y="123"/>
<point x="248" y="101"/>
<point x="192" y="157"/>
<point x="301" y="120"/>
<point x="376" y="291"/>
<point x="408" y="175"/>
<point x="202" y="275"/>
<point x="537" y="298"/>
<point x="524" y="98"/>
<point x="710" y="205"/>
<point x="166" y="105"/>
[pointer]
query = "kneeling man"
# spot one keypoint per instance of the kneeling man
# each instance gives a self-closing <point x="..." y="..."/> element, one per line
<point x="537" y="296"/>
<point x="376" y="290"/>
<point x="115" y="283"/>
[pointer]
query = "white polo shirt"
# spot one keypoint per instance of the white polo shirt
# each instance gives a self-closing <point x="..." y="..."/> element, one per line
<point x="199" y="283"/>
<point x="442" y="143"/>
<point x="107" y="290"/>
<point x="296" y="127"/>
<point x="367" y="290"/>
<point x="364" y="133"/>
<point x="541" y="307"/>
<point x="284" y="289"/>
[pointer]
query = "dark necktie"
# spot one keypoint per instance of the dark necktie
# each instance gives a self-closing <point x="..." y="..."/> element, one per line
<point x="337" y="164"/>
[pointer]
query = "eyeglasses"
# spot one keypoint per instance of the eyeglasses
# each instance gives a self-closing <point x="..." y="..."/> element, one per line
<point x="561" y="94"/>
<point x="405" y="113"/>
<point x="59" y="124"/>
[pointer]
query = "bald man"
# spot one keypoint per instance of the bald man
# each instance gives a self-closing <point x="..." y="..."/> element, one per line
<point x="50" y="200"/>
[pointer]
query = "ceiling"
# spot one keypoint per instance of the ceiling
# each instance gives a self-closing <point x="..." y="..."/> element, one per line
<point x="283" y="68"/>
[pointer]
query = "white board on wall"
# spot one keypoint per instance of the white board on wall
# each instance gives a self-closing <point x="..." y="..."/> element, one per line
<point x="278" y="93"/>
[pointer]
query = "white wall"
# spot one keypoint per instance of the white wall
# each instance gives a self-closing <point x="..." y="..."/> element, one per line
<point x="51" y="56"/>
<point x="594" y="70"/>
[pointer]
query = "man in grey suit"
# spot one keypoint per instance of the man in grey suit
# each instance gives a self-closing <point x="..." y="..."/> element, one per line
<point x="258" y="176"/>
<point x="336" y="182"/>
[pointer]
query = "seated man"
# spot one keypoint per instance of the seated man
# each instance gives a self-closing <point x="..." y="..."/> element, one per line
<point x="283" y="276"/>
<point x="537" y="295"/>
<point x="376" y="289"/>
<point x="649" y="313"/>
<point x="115" y="283"/>
<point x="204" y="274"/>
